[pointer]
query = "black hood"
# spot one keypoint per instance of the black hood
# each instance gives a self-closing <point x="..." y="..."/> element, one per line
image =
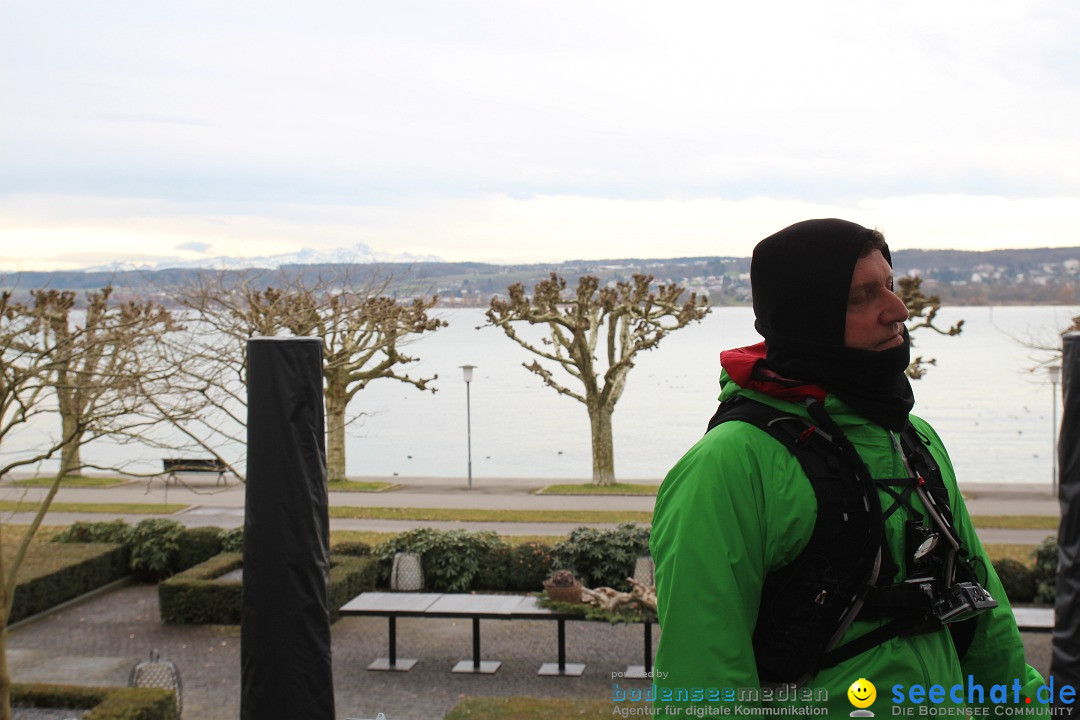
<point x="801" y="279"/>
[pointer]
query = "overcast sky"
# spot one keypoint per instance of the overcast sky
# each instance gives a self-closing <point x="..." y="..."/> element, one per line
<point x="530" y="131"/>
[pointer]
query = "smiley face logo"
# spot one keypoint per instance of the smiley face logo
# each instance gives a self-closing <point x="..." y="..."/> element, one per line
<point x="862" y="693"/>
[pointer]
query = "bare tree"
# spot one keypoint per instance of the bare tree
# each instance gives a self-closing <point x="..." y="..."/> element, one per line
<point x="362" y="328"/>
<point x="594" y="334"/>
<point x="92" y="354"/>
<point x="922" y="312"/>
<point x="36" y="359"/>
<point x="361" y="337"/>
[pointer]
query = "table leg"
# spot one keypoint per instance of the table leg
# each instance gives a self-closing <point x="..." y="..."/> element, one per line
<point x="393" y="640"/>
<point x="562" y="667"/>
<point x="476" y="665"/>
<point x="643" y="671"/>
<point x="562" y="646"/>
<point x="391" y="662"/>
<point x="648" y="648"/>
<point x="476" y="644"/>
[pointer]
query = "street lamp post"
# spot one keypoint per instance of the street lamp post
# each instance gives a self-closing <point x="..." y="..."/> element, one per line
<point x="468" y="371"/>
<point x="1055" y="377"/>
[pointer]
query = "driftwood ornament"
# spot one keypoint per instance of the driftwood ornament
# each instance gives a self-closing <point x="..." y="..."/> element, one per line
<point x="610" y="599"/>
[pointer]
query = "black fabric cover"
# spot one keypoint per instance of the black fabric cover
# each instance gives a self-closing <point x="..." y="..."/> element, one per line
<point x="1065" y="659"/>
<point x="285" y="634"/>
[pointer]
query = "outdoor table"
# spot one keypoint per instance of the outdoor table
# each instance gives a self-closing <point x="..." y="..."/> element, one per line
<point x="393" y="605"/>
<point x="1034" y="619"/>
<point x="477" y="607"/>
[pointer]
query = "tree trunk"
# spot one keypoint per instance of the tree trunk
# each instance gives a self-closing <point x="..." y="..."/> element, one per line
<point x="5" y="676"/>
<point x="335" y="431"/>
<point x="5" y="669"/>
<point x="603" y="450"/>
<point x="70" y="455"/>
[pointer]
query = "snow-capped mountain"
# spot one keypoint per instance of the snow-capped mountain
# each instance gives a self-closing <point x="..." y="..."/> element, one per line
<point x="359" y="253"/>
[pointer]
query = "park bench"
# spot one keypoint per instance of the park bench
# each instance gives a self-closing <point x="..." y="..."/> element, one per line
<point x="172" y="466"/>
<point x="393" y="605"/>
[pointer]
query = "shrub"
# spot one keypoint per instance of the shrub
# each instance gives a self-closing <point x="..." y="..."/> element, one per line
<point x="602" y="557"/>
<point x="451" y="559"/>
<point x="494" y="571"/>
<point x="351" y="547"/>
<point x="111" y="703"/>
<point x="197" y="596"/>
<point x="232" y="541"/>
<point x="113" y="531"/>
<point x="1046" y="570"/>
<point x="1017" y="579"/>
<point x="530" y="563"/>
<point x="155" y="544"/>
<point x="196" y="545"/>
<point x="53" y="575"/>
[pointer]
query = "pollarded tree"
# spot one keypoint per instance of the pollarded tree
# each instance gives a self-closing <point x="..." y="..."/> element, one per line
<point x="594" y="334"/>
<point x="922" y="312"/>
<point x="363" y="330"/>
<point x="362" y="341"/>
<point x="93" y="354"/>
<point x="33" y="357"/>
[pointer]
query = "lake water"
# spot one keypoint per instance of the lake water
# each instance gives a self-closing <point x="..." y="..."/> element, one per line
<point x="994" y="415"/>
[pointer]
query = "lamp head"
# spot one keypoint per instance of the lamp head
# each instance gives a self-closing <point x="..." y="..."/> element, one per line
<point x="467" y="369"/>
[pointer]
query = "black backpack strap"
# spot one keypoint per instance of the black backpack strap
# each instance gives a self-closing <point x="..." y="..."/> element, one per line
<point x="806" y="605"/>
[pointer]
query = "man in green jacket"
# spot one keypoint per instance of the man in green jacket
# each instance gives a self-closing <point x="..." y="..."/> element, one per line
<point x="746" y="575"/>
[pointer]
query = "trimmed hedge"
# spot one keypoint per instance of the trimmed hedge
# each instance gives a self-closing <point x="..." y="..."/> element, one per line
<point x="158" y="547"/>
<point x="106" y="703"/>
<point x="195" y="597"/>
<point x="52" y="575"/>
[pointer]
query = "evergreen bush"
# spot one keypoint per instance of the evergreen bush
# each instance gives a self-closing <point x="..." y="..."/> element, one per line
<point x="155" y="544"/>
<point x="232" y="541"/>
<point x="602" y="557"/>
<point x="112" y="531"/>
<point x="196" y="545"/>
<point x="451" y="559"/>
<point x="351" y="547"/>
<point x="493" y="574"/>
<point x="65" y="573"/>
<point x="1046" y="570"/>
<point x="198" y="595"/>
<point x="105" y="703"/>
<point x="529" y="565"/>
<point x="1017" y="579"/>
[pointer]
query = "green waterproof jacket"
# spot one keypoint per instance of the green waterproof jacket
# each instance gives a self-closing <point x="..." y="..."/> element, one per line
<point x="738" y="506"/>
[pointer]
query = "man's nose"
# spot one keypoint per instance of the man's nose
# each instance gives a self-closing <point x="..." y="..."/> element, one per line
<point x="895" y="311"/>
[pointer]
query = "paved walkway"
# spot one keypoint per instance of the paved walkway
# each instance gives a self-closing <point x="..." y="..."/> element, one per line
<point x="209" y="505"/>
<point x="96" y="641"/>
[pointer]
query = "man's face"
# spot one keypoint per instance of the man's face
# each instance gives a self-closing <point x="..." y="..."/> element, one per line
<point x="875" y="315"/>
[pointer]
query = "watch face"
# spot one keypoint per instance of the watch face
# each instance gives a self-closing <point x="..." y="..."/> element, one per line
<point x="925" y="547"/>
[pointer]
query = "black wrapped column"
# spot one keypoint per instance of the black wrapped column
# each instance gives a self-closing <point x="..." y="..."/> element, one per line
<point x="285" y="634"/>
<point x="1065" y="660"/>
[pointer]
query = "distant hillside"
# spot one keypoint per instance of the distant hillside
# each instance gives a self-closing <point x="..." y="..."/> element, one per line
<point x="1041" y="275"/>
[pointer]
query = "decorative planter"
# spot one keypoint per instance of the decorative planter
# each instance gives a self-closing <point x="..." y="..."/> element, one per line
<point x="570" y="594"/>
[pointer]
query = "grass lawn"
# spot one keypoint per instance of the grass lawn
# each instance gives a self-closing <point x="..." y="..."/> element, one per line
<point x="1002" y="551"/>
<point x="125" y="508"/>
<point x="73" y="481"/>
<point x="350" y="486"/>
<point x="478" y="515"/>
<point x="524" y="708"/>
<point x="615" y="489"/>
<point x="1017" y="522"/>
